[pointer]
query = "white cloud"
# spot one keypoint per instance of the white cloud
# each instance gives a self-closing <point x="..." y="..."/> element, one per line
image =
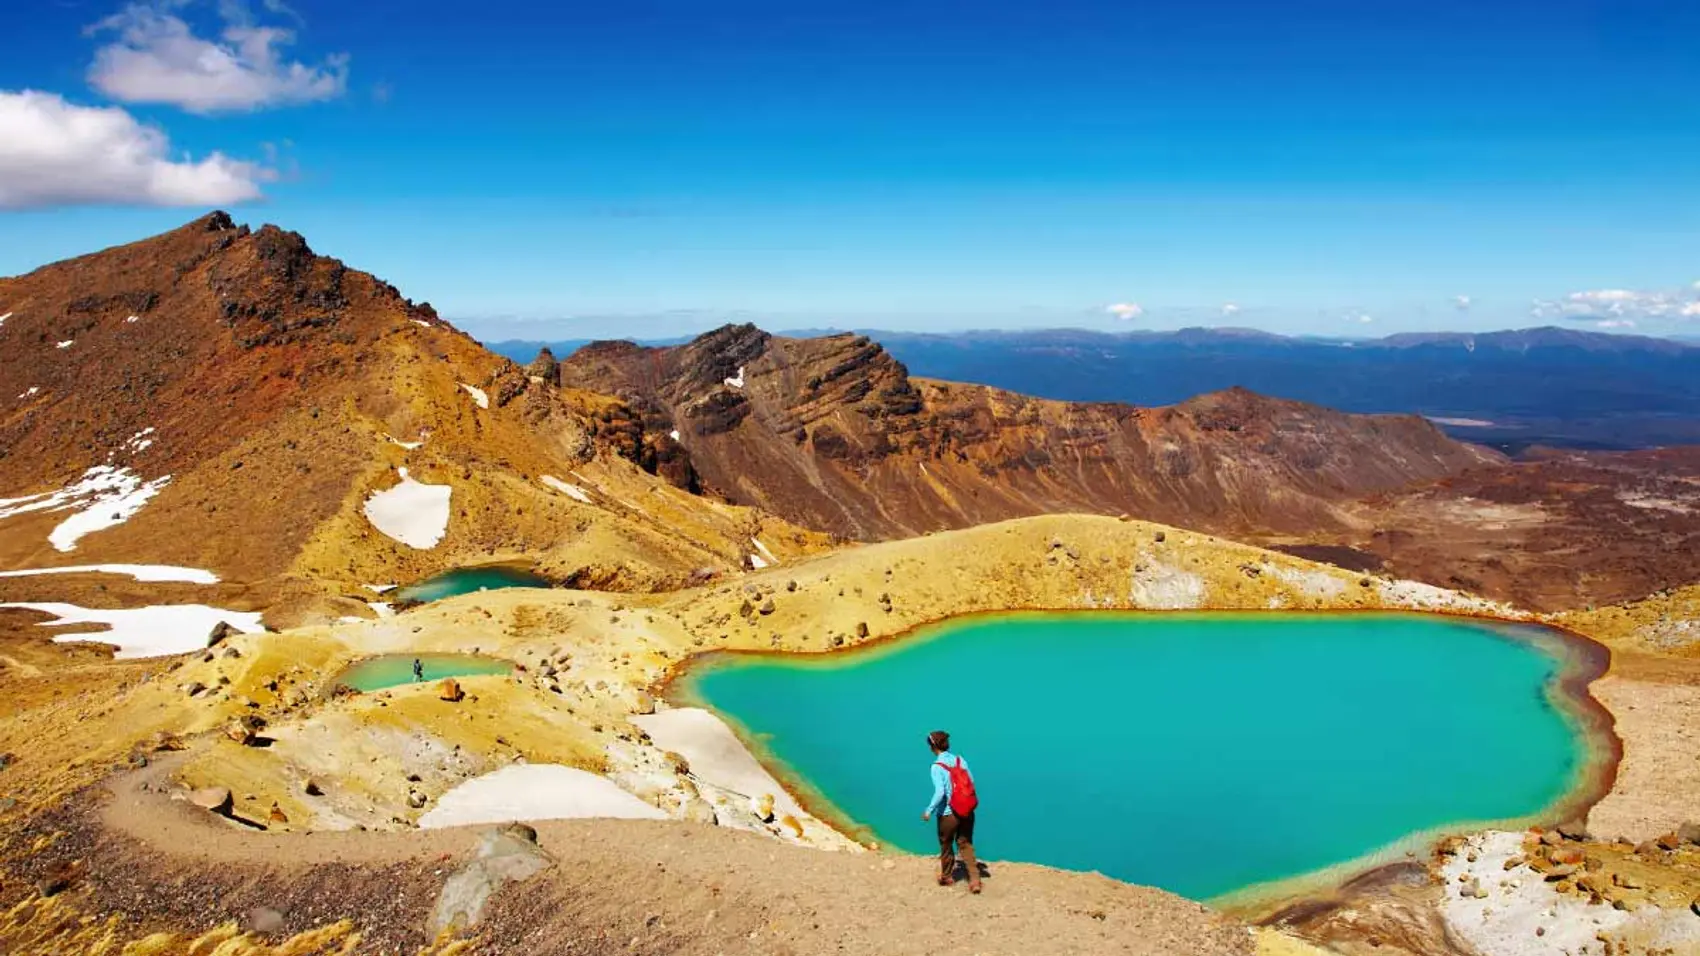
<point x="1615" y="324"/>
<point x="1230" y="309"/>
<point x="1462" y="303"/>
<point x="1126" y="311"/>
<point x="157" y="58"/>
<point x="57" y="153"/>
<point x="1621" y="304"/>
<point x="1366" y="318"/>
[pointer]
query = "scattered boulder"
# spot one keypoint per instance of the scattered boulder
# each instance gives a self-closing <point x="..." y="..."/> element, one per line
<point x="1160" y="537"/>
<point x="194" y="688"/>
<point x="767" y="607"/>
<point x="417" y="800"/>
<point x="698" y="810"/>
<point x="1669" y="841"/>
<point x="449" y="689"/>
<point x="746" y="609"/>
<point x="220" y="632"/>
<point x="862" y="629"/>
<point x="240" y="732"/>
<point x="276" y="814"/>
<point x="764" y="808"/>
<point x="645" y="703"/>
<point x="1689" y="833"/>
<point x="509" y="854"/>
<point x="216" y="799"/>
<point x="7" y="759"/>
<point x="1573" y="830"/>
<point x="312" y="789"/>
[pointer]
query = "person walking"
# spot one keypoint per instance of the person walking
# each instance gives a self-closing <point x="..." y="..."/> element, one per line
<point x="418" y="671"/>
<point x="954" y="802"/>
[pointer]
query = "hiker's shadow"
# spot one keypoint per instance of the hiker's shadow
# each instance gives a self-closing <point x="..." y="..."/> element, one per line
<point x="961" y="872"/>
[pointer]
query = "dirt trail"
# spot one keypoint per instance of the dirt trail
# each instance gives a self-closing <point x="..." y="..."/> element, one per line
<point x="617" y="886"/>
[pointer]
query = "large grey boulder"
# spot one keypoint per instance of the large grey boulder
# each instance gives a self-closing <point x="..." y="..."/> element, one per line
<point x="506" y="855"/>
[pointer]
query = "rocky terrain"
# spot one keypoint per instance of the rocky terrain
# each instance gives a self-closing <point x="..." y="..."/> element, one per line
<point x="1563" y="530"/>
<point x="218" y="421"/>
<point x="832" y="433"/>
<point x="226" y="399"/>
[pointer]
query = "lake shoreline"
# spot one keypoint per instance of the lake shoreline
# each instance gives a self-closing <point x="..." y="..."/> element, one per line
<point x="1581" y="661"/>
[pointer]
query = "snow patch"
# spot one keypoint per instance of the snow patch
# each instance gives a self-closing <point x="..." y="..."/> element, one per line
<point x="33" y="389"/>
<point x="66" y="344"/>
<point x="412" y="513"/>
<point x="535" y="792"/>
<point x="722" y="768"/>
<point x="104" y="497"/>
<point x="421" y="323"/>
<point x="140" y="442"/>
<point x="156" y="631"/>
<point x="757" y="562"/>
<point x="3" y="319"/>
<point x="350" y="619"/>
<point x="119" y="494"/>
<point x="406" y="445"/>
<point x="737" y="381"/>
<point x="674" y="434"/>
<point x="150" y="573"/>
<point x="477" y="394"/>
<point x="566" y="488"/>
<point x="132" y="320"/>
<point x="381" y="608"/>
<point x="764" y="552"/>
<point x="379" y="588"/>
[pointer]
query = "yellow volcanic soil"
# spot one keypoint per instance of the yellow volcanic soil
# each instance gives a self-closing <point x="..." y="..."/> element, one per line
<point x="366" y="754"/>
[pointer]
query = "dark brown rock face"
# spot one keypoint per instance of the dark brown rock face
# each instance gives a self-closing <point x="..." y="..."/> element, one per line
<point x="833" y="433"/>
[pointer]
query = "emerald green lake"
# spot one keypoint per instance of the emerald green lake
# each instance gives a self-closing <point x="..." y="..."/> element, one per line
<point x="391" y="670"/>
<point x="1202" y="753"/>
<point x="469" y="581"/>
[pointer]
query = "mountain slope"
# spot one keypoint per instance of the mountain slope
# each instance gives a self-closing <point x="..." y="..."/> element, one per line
<point x="833" y="433"/>
<point x="226" y="399"/>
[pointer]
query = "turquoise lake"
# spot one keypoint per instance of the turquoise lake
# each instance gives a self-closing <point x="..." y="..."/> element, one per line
<point x="1200" y="753"/>
<point x="390" y="670"/>
<point x="469" y="581"/>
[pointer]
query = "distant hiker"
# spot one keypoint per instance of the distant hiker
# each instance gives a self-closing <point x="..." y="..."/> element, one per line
<point x="418" y="671"/>
<point x="954" y="801"/>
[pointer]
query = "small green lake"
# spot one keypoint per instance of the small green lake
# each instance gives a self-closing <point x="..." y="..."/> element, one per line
<point x="1202" y="753"/>
<point x="391" y="670"/>
<point x="469" y="581"/>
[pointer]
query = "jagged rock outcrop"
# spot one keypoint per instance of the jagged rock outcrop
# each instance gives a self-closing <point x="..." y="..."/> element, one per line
<point x="833" y="433"/>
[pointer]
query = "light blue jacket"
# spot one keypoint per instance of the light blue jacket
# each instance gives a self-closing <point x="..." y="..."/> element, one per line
<point x="940" y="803"/>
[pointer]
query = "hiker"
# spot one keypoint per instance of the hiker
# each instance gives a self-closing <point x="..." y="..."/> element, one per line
<point x="954" y="801"/>
<point x="418" y="671"/>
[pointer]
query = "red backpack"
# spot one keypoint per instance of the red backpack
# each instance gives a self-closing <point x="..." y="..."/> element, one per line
<point x="963" y="800"/>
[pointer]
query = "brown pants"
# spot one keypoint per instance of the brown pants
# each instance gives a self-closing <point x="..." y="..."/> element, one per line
<point x="957" y="834"/>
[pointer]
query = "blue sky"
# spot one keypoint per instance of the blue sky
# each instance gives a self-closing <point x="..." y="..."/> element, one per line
<point x="654" y="167"/>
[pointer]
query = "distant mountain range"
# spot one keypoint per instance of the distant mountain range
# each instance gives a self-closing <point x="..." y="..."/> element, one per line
<point x="1511" y="389"/>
